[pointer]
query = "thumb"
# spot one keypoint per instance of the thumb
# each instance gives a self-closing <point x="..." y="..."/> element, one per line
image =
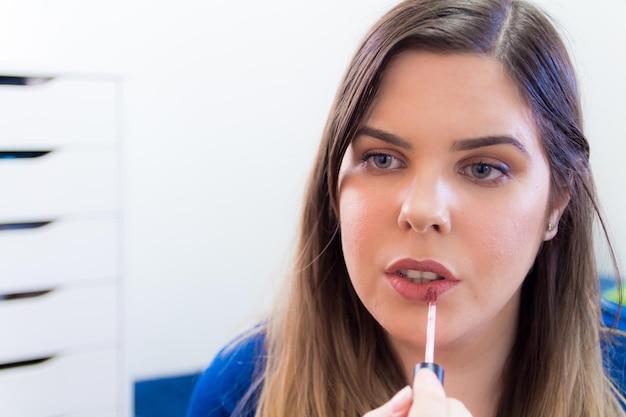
<point x="397" y="406"/>
<point x="429" y="398"/>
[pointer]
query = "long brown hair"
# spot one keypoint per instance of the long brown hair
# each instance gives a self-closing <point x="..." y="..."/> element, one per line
<point x="327" y="356"/>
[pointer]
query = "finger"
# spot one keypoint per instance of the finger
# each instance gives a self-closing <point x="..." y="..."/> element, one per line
<point x="400" y="403"/>
<point x="398" y="406"/>
<point x="457" y="409"/>
<point x="429" y="398"/>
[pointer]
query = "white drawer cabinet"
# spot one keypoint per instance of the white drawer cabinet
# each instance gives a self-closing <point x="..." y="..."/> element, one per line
<point x="57" y="111"/>
<point x="75" y="383"/>
<point x="59" y="251"/>
<point x="58" y="320"/>
<point x="61" y="352"/>
<point x="66" y="181"/>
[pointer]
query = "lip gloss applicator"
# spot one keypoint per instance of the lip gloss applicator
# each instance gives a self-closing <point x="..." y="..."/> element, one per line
<point x="429" y="356"/>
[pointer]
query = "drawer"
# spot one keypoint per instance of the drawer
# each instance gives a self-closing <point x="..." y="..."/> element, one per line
<point x="56" y="322"/>
<point x="64" y="181"/>
<point x="57" y="111"/>
<point x="80" y="384"/>
<point x="68" y="250"/>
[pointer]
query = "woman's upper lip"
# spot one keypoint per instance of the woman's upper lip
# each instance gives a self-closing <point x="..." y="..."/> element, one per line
<point x="428" y="265"/>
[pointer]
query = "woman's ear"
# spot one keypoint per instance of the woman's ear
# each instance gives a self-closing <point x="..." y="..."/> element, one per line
<point x="555" y="216"/>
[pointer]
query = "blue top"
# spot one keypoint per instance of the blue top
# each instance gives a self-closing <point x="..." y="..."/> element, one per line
<point x="227" y="379"/>
<point x="230" y="374"/>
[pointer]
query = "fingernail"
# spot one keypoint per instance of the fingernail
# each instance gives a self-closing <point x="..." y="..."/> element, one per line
<point x="398" y="401"/>
<point x="426" y="382"/>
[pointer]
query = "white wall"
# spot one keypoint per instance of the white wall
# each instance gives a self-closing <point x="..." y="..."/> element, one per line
<point x="224" y="105"/>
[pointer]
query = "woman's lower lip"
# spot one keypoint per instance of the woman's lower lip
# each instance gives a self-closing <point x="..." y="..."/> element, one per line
<point x="419" y="292"/>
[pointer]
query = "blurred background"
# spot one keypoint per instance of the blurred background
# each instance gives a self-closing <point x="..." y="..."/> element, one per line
<point x="153" y="157"/>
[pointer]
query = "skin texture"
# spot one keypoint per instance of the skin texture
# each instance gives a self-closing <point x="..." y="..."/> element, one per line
<point x="431" y="202"/>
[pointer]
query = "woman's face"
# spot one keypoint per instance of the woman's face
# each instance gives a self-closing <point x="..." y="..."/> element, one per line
<point x="481" y="211"/>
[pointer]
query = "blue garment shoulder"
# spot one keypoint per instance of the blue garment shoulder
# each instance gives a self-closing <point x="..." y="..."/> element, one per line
<point x="228" y="378"/>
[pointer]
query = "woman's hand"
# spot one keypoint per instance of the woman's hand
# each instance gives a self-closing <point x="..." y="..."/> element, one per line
<point x="426" y="399"/>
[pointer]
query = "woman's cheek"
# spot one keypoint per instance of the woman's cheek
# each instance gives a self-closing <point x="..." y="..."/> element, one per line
<point x="504" y="250"/>
<point x="363" y="212"/>
<point x="363" y="226"/>
<point x="353" y="227"/>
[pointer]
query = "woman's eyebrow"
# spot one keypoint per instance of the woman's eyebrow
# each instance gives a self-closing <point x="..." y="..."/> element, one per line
<point x="382" y="135"/>
<point x="467" y="144"/>
<point x="459" y="145"/>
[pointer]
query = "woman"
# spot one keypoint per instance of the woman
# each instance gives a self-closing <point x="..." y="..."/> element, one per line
<point x="455" y="140"/>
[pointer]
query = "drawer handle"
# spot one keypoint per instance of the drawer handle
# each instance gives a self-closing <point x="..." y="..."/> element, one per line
<point x="24" y="225"/>
<point x="23" y="154"/>
<point x="29" y="362"/>
<point x="22" y="295"/>
<point x="21" y="80"/>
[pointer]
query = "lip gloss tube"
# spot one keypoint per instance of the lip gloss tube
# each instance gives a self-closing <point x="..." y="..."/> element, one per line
<point x="429" y="355"/>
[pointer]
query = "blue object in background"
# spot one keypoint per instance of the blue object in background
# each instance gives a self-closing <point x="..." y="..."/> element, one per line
<point x="610" y="309"/>
<point x="614" y="353"/>
<point x="164" y="397"/>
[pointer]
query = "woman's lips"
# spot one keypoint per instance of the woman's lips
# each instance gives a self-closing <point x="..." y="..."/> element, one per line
<point x="426" y="265"/>
<point x="419" y="292"/>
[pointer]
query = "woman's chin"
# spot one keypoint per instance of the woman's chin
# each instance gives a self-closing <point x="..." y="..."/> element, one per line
<point x="413" y="340"/>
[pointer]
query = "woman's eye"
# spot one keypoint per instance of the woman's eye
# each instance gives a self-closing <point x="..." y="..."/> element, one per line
<point x="483" y="172"/>
<point x="381" y="161"/>
<point x="479" y="172"/>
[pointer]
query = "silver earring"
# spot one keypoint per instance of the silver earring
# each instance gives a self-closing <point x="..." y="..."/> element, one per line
<point x="550" y="227"/>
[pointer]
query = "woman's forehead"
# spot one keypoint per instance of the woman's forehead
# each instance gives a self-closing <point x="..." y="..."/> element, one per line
<point x="447" y="97"/>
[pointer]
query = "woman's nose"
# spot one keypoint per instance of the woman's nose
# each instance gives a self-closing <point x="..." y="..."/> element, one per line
<point x="426" y="208"/>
